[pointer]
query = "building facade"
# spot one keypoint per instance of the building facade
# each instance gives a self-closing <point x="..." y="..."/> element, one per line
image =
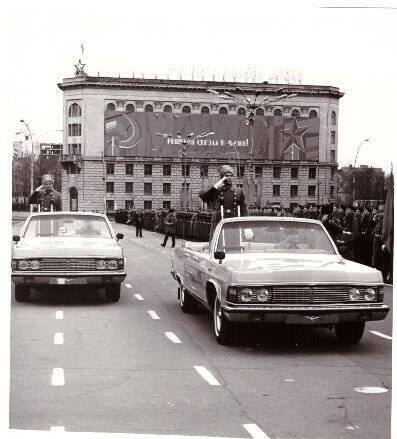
<point x="100" y="113"/>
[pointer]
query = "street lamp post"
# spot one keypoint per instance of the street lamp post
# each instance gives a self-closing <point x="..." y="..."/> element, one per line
<point x="31" y="159"/>
<point x="354" y="169"/>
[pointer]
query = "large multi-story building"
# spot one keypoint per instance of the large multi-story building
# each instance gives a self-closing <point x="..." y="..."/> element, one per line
<point x="113" y="156"/>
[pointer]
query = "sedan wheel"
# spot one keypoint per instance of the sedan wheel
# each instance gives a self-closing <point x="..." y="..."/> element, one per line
<point x="22" y="293"/>
<point x="112" y="292"/>
<point x="223" y="329"/>
<point x="349" y="332"/>
<point x="186" y="301"/>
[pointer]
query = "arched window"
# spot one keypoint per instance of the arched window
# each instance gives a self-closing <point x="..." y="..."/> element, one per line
<point x="333" y="118"/>
<point x="167" y="109"/>
<point x="295" y="113"/>
<point x="259" y="112"/>
<point x="186" y="109"/>
<point x="313" y="113"/>
<point x="278" y="112"/>
<point x="130" y="108"/>
<point x="241" y="111"/>
<point x="149" y="108"/>
<point x="74" y="110"/>
<point x="205" y="110"/>
<point x="111" y="107"/>
<point x="223" y="110"/>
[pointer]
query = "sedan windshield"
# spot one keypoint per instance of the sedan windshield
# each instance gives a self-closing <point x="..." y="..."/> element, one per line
<point x="67" y="226"/>
<point x="274" y="237"/>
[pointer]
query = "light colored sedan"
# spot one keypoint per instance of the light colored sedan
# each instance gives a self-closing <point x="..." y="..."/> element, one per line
<point x="67" y="248"/>
<point x="275" y="270"/>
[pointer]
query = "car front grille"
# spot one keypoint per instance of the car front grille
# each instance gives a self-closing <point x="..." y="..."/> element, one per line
<point x="68" y="264"/>
<point x="316" y="294"/>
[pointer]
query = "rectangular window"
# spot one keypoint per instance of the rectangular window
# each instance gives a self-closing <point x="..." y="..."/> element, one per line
<point x="110" y="168"/>
<point x="332" y="155"/>
<point x="312" y="173"/>
<point x="294" y="191"/>
<point x="147" y="188"/>
<point x="276" y="190"/>
<point x="185" y="170"/>
<point x="166" y="188"/>
<point x="129" y="169"/>
<point x="258" y="171"/>
<point x="294" y="172"/>
<point x="276" y="172"/>
<point x="167" y="205"/>
<point x="240" y="171"/>
<point x="109" y="205"/>
<point x="333" y="136"/>
<point x="129" y="205"/>
<point x="129" y="187"/>
<point x="240" y="185"/>
<point x="73" y="169"/>
<point x="148" y="170"/>
<point x="204" y="171"/>
<point x="166" y="170"/>
<point x="74" y="148"/>
<point x="332" y="173"/>
<point x="185" y="186"/>
<point x="110" y="187"/>
<point x="147" y="204"/>
<point x="331" y="191"/>
<point x="74" y="129"/>
<point x="311" y="191"/>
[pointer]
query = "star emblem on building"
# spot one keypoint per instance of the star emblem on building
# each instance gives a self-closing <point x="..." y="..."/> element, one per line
<point x="294" y="142"/>
<point x="80" y="69"/>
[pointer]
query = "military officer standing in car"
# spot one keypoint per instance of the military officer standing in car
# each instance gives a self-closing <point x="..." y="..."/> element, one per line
<point x="46" y="196"/>
<point x="223" y="195"/>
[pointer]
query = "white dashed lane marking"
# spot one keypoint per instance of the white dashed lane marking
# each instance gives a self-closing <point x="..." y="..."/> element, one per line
<point x="153" y="315"/>
<point x="58" y="377"/>
<point x="255" y="431"/>
<point x="59" y="315"/>
<point x="172" y="337"/>
<point x="207" y="375"/>
<point x="138" y="296"/>
<point x="379" y="334"/>
<point x="58" y="338"/>
<point x="128" y="285"/>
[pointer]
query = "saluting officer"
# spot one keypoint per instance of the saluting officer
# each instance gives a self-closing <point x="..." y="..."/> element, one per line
<point x="46" y="196"/>
<point x="222" y="193"/>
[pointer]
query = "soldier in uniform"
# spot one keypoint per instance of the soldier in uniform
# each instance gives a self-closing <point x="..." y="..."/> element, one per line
<point x="222" y="193"/>
<point x="46" y="196"/>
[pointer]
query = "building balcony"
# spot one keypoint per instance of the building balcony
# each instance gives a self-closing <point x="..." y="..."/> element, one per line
<point x="74" y="158"/>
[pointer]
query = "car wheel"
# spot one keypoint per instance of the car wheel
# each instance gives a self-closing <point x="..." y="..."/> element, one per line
<point x="21" y="293"/>
<point x="223" y="329"/>
<point x="112" y="292"/>
<point x="349" y="332"/>
<point x="186" y="301"/>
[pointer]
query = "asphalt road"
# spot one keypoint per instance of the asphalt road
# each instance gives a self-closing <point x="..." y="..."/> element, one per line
<point x="141" y="366"/>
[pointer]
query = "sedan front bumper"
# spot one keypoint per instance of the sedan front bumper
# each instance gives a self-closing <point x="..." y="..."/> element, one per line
<point x="75" y="278"/>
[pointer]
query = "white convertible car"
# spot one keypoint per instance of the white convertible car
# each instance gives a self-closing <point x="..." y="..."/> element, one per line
<point x="67" y="248"/>
<point x="277" y="271"/>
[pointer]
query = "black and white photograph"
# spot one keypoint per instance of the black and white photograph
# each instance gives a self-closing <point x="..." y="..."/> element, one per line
<point x="199" y="219"/>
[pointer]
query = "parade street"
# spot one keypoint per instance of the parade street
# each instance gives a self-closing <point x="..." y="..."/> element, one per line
<point x="142" y="366"/>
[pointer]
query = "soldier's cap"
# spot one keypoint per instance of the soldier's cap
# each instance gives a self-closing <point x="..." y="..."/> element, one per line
<point x="47" y="177"/>
<point x="224" y="169"/>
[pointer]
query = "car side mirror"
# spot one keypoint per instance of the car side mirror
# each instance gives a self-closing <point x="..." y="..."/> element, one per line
<point x="219" y="255"/>
<point x="120" y="236"/>
<point x="16" y="238"/>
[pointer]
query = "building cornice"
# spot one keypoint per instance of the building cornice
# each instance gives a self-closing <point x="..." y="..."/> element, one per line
<point x="195" y="86"/>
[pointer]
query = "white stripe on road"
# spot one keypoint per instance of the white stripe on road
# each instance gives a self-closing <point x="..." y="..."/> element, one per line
<point x="172" y="337"/>
<point x="138" y="297"/>
<point x="57" y="428"/>
<point x="128" y="285"/>
<point x="207" y="375"/>
<point x="379" y="334"/>
<point x="143" y="257"/>
<point x="58" y="377"/>
<point x="59" y="315"/>
<point x="255" y="431"/>
<point x="58" y="338"/>
<point x="153" y="315"/>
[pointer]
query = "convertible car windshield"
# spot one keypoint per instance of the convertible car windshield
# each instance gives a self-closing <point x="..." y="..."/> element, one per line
<point x="274" y="237"/>
<point x="67" y="226"/>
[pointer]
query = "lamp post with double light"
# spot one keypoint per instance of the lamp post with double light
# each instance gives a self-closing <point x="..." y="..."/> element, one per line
<point x="354" y="169"/>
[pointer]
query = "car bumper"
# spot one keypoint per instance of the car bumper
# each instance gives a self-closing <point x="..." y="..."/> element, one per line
<point x="78" y="278"/>
<point x="306" y="315"/>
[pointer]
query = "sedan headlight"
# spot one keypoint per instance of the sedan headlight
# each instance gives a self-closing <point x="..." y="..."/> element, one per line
<point x="246" y="295"/>
<point x="354" y="294"/>
<point x="252" y="294"/>
<point x="369" y="294"/>
<point x="262" y="295"/>
<point x="109" y="264"/>
<point x="26" y="264"/>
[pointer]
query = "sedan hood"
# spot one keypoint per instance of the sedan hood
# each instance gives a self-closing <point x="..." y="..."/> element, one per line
<point x="67" y="248"/>
<point x="298" y="269"/>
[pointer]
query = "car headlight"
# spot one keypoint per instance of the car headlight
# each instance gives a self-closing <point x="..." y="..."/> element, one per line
<point x="100" y="265"/>
<point x="120" y="263"/>
<point x="262" y="295"/>
<point x="246" y="295"/>
<point x="354" y="294"/>
<point x="369" y="294"/>
<point x="34" y="265"/>
<point x="232" y="294"/>
<point x="14" y="264"/>
<point x="23" y="265"/>
<point x="112" y="264"/>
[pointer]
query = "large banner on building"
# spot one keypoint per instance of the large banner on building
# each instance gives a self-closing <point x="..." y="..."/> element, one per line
<point x="270" y="138"/>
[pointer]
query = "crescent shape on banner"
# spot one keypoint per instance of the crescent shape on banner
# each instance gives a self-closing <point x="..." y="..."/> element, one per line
<point x="131" y="137"/>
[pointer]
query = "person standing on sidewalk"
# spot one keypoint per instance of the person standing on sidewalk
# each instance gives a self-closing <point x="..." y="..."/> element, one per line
<point x="139" y="220"/>
<point x="170" y="227"/>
